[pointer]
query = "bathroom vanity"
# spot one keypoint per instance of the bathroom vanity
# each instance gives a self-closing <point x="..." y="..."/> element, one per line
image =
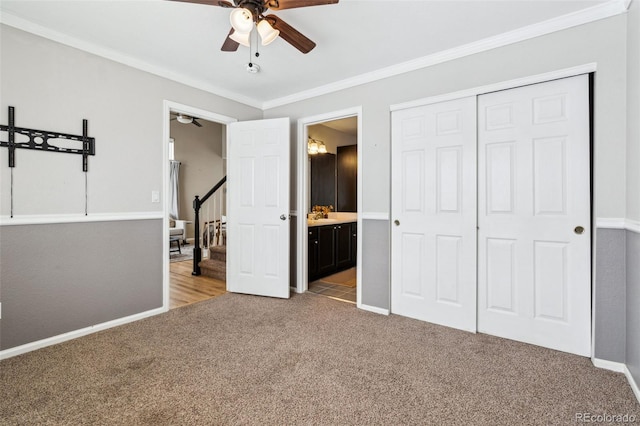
<point x="332" y="245"/>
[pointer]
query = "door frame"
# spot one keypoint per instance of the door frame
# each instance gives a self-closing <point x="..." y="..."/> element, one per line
<point x="167" y="108"/>
<point x="302" y="282"/>
<point x="588" y="68"/>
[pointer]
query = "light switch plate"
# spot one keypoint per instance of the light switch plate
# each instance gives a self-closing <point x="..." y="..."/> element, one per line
<point x="155" y="196"/>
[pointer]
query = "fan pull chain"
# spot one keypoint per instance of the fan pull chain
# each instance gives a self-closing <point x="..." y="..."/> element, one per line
<point x="250" y="64"/>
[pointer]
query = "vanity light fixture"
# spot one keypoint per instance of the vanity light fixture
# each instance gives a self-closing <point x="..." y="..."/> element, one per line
<point x="316" y="147"/>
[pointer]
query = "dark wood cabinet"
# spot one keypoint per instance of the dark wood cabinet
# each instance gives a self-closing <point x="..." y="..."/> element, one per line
<point x="347" y="175"/>
<point x="332" y="248"/>
<point x="326" y="250"/>
<point x="323" y="180"/>
<point x="313" y="252"/>
<point x="343" y="245"/>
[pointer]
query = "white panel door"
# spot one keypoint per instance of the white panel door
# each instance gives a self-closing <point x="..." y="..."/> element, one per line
<point x="434" y="209"/>
<point x="534" y="240"/>
<point x="258" y="208"/>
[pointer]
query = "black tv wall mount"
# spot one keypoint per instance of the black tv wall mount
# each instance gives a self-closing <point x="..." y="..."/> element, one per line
<point x="42" y="140"/>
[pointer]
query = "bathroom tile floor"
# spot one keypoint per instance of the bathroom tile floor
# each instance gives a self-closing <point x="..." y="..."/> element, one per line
<point x="335" y="291"/>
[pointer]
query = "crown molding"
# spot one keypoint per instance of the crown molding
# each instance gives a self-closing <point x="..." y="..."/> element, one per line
<point x="39" y="30"/>
<point x="591" y="14"/>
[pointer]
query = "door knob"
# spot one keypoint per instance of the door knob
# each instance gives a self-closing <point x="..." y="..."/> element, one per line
<point x="578" y="230"/>
<point x="396" y="222"/>
<point x="283" y="217"/>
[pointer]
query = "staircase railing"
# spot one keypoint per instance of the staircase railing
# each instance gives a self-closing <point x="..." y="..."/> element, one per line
<point x="197" y="204"/>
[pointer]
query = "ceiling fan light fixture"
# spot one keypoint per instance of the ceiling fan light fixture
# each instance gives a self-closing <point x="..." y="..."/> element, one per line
<point x="241" y="20"/>
<point x="242" y="38"/>
<point x="267" y="32"/>
<point x="184" y="119"/>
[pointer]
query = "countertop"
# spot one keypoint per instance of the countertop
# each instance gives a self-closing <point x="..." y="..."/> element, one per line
<point x="335" y="218"/>
<point x="323" y="222"/>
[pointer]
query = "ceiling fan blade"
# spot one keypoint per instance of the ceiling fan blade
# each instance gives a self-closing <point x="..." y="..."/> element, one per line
<point x="291" y="35"/>
<point x="221" y="3"/>
<point x="290" y="4"/>
<point x="230" y="45"/>
<point x="196" y="123"/>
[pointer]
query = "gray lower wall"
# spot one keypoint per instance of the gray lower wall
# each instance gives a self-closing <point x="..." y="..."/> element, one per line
<point x="609" y="295"/>
<point x="633" y="304"/>
<point x="57" y="278"/>
<point x="375" y="263"/>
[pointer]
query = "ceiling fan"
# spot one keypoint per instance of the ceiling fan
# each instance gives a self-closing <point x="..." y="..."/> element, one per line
<point x="247" y="13"/>
<point x="185" y="119"/>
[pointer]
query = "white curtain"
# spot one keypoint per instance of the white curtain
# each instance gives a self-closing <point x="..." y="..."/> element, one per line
<point x="174" y="176"/>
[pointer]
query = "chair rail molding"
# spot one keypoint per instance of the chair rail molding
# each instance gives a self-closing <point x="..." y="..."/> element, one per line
<point x="77" y="218"/>
<point x="618" y="223"/>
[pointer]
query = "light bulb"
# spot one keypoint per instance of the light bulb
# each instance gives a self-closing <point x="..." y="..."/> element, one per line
<point x="242" y="38"/>
<point x="241" y="20"/>
<point x="267" y="33"/>
<point x="313" y="148"/>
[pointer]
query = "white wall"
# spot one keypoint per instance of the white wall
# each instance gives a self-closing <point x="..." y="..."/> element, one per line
<point x="633" y="112"/>
<point x="54" y="87"/>
<point x="632" y="295"/>
<point x="603" y="42"/>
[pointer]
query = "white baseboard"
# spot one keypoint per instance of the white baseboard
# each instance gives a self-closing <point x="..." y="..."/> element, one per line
<point x="619" y="367"/>
<point x="28" y="347"/>
<point x="632" y="383"/>
<point x="373" y="309"/>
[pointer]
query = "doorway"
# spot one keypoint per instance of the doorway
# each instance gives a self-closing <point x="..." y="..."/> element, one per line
<point x="330" y="205"/>
<point x="188" y="288"/>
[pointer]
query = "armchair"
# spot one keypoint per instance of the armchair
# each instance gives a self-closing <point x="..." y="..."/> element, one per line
<point x="179" y="229"/>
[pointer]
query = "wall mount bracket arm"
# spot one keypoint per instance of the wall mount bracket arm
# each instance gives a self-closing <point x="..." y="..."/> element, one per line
<point x="42" y="140"/>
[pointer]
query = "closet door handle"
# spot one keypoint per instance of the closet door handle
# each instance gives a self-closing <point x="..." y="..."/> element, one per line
<point x="396" y="222"/>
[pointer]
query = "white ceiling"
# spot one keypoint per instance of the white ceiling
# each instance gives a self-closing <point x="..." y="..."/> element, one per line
<point x="356" y="39"/>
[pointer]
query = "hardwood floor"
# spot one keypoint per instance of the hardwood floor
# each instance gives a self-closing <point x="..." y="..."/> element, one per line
<point x="186" y="288"/>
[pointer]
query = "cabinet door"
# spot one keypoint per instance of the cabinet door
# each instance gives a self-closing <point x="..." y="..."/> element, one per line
<point x="326" y="250"/>
<point x="323" y="180"/>
<point x="313" y="253"/>
<point x="347" y="171"/>
<point x="343" y="245"/>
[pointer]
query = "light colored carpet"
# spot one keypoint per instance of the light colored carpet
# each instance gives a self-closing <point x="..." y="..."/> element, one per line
<point x="245" y="360"/>
<point x="345" y="278"/>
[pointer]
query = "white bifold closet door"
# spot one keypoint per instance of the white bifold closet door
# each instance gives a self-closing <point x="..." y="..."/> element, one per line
<point x="534" y="238"/>
<point x="434" y="212"/>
